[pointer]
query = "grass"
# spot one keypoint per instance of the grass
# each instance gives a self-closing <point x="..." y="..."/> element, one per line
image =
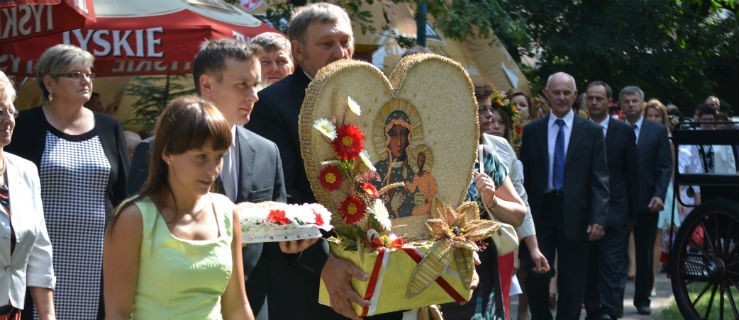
<point x="672" y="312"/>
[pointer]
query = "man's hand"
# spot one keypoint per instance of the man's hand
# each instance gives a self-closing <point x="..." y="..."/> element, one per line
<point x="595" y="232"/>
<point x="337" y="274"/>
<point x="541" y="264"/>
<point x="296" y="246"/>
<point x="655" y="205"/>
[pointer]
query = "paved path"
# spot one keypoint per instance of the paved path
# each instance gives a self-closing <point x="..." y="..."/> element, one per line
<point x="661" y="302"/>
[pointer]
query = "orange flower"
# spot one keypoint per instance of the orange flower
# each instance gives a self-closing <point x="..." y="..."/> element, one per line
<point x="349" y="142"/>
<point x="278" y="217"/>
<point x="330" y="178"/>
<point x="352" y="209"/>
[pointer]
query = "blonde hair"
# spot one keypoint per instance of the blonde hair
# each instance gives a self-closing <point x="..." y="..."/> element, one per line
<point x="7" y="91"/>
<point x="657" y="105"/>
<point x="57" y="60"/>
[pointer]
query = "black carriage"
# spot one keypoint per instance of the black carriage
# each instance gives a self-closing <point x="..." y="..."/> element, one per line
<point x="704" y="260"/>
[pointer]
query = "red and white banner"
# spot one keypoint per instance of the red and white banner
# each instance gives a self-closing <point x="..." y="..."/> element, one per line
<point x="131" y="38"/>
<point x="29" y="18"/>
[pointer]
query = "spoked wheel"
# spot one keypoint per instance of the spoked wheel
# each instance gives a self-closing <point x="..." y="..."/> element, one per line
<point x="704" y="264"/>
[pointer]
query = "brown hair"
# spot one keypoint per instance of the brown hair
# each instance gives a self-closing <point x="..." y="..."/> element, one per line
<point x="186" y="123"/>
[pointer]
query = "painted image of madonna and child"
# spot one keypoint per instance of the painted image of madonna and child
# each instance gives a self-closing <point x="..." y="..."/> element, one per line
<point x="420" y="185"/>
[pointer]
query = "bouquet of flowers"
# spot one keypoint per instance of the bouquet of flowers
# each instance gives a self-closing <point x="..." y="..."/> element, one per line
<point x="364" y="218"/>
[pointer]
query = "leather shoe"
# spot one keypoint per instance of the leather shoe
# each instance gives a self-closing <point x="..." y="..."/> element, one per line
<point x="643" y="309"/>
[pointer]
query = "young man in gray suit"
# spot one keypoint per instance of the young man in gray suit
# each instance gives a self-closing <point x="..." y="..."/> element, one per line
<point x="655" y="168"/>
<point x="564" y="164"/>
<point x="607" y="263"/>
<point x="228" y="73"/>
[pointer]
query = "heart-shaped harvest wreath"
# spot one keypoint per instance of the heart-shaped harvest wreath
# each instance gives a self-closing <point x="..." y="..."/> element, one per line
<point x="431" y="98"/>
<point x="376" y="149"/>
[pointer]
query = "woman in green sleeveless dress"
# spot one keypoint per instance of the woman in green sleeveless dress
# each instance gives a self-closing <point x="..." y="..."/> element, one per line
<point x="174" y="250"/>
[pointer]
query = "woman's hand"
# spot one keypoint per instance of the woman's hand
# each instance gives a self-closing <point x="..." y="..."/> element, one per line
<point x="485" y="187"/>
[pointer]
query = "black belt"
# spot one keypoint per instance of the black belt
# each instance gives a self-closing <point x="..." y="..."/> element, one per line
<point x="555" y="193"/>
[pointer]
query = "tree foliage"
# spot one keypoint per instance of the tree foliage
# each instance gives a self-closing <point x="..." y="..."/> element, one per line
<point x="678" y="51"/>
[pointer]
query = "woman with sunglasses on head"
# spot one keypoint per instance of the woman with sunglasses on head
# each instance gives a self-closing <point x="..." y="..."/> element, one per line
<point x="82" y="162"/>
<point x="28" y="262"/>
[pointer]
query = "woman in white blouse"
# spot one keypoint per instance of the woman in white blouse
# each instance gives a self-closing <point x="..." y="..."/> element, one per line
<point x="25" y="249"/>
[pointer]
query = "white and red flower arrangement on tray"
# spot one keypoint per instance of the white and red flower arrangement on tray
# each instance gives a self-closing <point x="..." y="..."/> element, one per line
<point x="364" y="218"/>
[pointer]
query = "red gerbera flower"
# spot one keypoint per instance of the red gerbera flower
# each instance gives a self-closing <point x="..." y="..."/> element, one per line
<point x="352" y="209"/>
<point x="370" y="190"/>
<point x="330" y="178"/>
<point x="278" y="217"/>
<point x="349" y="142"/>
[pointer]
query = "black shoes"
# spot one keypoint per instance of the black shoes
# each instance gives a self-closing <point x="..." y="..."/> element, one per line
<point x="643" y="309"/>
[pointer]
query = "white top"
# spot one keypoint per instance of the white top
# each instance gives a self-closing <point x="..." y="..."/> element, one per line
<point x="30" y="265"/>
<point x="552" y="138"/>
<point x="507" y="157"/>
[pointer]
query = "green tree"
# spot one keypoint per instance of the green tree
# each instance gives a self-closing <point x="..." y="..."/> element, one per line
<point x="152" y="97"/>
<point x="678" y="51"/>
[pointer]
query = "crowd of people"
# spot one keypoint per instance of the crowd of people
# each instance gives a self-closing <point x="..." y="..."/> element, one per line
<point x="151" y="233"/>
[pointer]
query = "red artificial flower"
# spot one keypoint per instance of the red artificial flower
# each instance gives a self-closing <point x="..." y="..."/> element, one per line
<point x="319" y="219"/>
<point x="352" y="209"/>
<point x="370" y="190"/>
<point x="349" y="142"/>
<point x="519" y="129"/>
<point x="330" y="178"/>
<point x="278" y="217"/>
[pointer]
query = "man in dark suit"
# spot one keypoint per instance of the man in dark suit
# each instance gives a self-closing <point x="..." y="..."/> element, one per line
<point x="227" y="73"/>
<point x="320" y="33"/>
<point x="567" y="180"/>
<point x="655" y="166"/>
<point x="607" y="263"/>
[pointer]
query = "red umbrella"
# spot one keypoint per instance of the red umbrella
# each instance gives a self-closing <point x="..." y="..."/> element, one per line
<point x="140" y="37"/>
<point x="28" y="18"/>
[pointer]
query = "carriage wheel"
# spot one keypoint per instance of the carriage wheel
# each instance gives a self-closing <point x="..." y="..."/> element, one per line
<point x="704" y="263"/>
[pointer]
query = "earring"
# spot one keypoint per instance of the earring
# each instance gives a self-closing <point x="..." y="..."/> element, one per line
<point x="50" y="97"/>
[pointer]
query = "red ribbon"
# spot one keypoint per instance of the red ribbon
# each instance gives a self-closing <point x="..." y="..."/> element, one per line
<point x="373" y="278"/>
<point x="375" y="275"/>
<point x="442" y="283"/>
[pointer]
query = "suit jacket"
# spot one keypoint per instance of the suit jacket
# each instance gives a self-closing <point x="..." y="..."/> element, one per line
<point x="260" y="179"/>
<point x="622" y="173"/>
<point x="655" y="163"/>
<point x="275" y="117"/>
<point x="585" y="178"/>
<point x="30" y="264"/>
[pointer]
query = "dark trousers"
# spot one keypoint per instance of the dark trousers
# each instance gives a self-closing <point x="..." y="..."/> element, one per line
<point x="571" y="266"/>
<point x="645" y="232"/>
<point x="607" y="273"/>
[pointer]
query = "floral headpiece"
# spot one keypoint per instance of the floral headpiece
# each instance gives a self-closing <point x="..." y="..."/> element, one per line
<point x="364" y="217"/>
<point x="501" y="101"/>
